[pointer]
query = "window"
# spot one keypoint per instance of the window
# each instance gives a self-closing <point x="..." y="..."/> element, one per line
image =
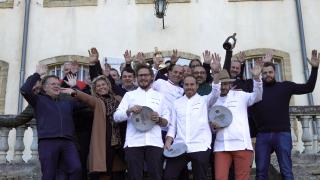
<point x="55" y="65"/>
<point x="280" y="58"/>
<point x="250" y="63"/>
<point x="6" y="4"/>
<point x="56" y="69"/>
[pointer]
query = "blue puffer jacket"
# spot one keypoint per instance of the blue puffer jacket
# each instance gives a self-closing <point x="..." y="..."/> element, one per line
<point x="54" y="116"/>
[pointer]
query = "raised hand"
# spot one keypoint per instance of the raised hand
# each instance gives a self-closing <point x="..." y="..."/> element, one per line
<point x="93" y="55"/>
<point x="127" y="56"/>
<point x="256" y="71"/>
<point x="174" y="56"/>
<point x="314" y="62"/>
<point x="268" y="57"/>
<point x="207" y="57"/>
<point x="241" y="57"/>
<point x="215" y="63"/>
<point x="72" y="80"/>
<point x="41" y="69"/>
<point x="140" y="58"/>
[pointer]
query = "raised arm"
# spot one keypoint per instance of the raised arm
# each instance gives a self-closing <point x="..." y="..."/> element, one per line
<point x="256" y="95"/>
<point x="207" y="58"/>
<point x="215" y="68"/>
<point x="17" y="120"/>
<point x="26" y="89"/>
<point x="311" y="83"/>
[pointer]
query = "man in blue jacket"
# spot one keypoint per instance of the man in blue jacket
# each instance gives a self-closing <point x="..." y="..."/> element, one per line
<point x="55" y="126"/>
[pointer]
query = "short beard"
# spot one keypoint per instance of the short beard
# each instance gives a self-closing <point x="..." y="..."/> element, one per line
<point x="145" y="87"/>
<point x="269" y="83"/>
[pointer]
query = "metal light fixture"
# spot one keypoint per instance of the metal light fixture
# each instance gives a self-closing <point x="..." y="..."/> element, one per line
<point x="160" y="7"/>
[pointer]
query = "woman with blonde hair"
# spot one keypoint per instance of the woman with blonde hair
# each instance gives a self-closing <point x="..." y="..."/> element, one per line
<point x="106" y="147"/>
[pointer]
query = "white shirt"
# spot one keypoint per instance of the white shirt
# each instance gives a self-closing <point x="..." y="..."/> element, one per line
<point x="170" y="92"/>
<point x="189" y="121"/>
<point x="149" y="98"/>
<point x="236" y="136"/>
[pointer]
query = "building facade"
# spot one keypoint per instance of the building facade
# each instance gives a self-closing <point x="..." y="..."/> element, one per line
<point x="60" y="30"/>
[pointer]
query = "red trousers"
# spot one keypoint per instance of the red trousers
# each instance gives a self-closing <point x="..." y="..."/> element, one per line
<point x="242" y="164"/>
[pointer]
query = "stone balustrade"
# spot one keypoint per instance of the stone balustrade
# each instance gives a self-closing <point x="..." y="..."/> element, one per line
<point x="18" y="146"/>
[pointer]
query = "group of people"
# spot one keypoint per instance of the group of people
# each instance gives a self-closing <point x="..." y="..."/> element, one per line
<point x="87" y="126"/>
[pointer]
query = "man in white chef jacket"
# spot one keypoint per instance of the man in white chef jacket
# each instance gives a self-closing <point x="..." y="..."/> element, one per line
<point x="143" y="146"/>
<point x="233" y="143"/>
<point x="189" y="125"/>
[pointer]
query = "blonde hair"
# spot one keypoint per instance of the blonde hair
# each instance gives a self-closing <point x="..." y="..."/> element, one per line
<point x="103" y="78"/>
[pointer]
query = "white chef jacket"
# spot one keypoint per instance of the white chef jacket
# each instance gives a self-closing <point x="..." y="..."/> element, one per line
<point x="151" y="99"/>
<point x="236" y="136"/>
<point x="170" y="92"/>
<point x="189" y="121"/>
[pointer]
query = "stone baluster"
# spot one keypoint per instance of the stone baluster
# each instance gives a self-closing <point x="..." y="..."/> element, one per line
<point x="19" y="146"/>
<point x="307" y="137"/>
<point x="294" y="134"/>
<point x="3" y="144"/>
<point x="317" y="119"/>
<point x="34" y="145"/>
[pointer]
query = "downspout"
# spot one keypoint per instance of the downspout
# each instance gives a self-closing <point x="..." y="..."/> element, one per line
<point x="24" y="51"/>
<point x="303" y="48"/>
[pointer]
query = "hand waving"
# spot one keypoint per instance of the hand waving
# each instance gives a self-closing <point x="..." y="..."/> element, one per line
<point x="314" y="62"/>
<point x="93" y="55"/>
<point x="72" y="80"/>
<point x="140" y="58"/>
<point x="127" y="56"/>
<point x="268" y="57"/>
<point x="215" y="63"/>
<point x="41" y="69"/>
<point x="207" y="57"/>
<point x="256" y="71"/>
<point x="174" y="56"/>
<point x="241" y="57"/>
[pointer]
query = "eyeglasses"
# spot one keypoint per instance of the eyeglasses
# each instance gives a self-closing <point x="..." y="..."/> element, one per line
<point x="144" y="75"/>
<point x="201" y="72"/>
<point x="53" y="84"/>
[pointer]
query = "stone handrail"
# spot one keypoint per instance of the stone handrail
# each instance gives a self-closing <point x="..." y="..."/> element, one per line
<point x="20" y="145"/>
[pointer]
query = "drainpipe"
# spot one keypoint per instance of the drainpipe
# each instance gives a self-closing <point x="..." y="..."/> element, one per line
<point x="24" y="51"/>
<point x="303" y="48"/>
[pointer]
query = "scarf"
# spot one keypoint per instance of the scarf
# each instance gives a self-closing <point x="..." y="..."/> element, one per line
<point x="111" y="105"/>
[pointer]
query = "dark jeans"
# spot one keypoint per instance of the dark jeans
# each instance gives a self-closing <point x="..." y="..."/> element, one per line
<point x="200" y="162"/>
<point x="59" y="152"/>
<point x="135" y="156"/>
<point x="267" y="143"/>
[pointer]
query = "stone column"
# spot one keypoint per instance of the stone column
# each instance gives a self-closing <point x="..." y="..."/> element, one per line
<point x="19" y="146"/>
<point x="34" y="145"/>
<point x="307" y="137"/>
<point x="3" y="144"/>
<point x="294" y="134"/>
<point x="317" y="119"/>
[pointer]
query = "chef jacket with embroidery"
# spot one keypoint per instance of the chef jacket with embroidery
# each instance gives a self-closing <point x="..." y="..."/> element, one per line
<point x="151" y="99"/>
<point x="189" y="121"/>
<point x="236" y="136"/>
